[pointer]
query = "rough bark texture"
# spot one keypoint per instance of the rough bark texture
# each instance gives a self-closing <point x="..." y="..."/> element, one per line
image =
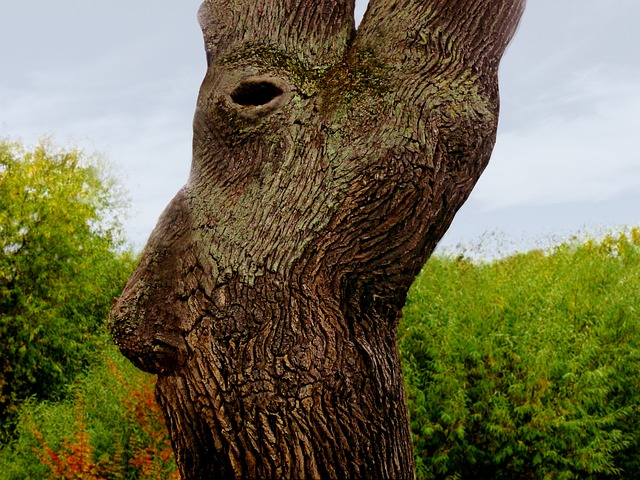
<point x="327" y="164"/>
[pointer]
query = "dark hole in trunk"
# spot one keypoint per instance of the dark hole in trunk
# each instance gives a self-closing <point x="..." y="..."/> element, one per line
<point x="255" y="93"/>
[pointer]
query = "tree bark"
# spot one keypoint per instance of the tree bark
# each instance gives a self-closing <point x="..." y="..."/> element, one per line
<point x="327" y="164"/>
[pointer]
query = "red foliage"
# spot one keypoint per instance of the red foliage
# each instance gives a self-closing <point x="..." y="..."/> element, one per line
<point x="148" y="455"/>
<point x="149" y="460"/>
<point x="75" y="460"/>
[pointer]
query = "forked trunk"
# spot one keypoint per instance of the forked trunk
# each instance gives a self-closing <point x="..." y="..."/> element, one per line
<point x="327" y="164"/>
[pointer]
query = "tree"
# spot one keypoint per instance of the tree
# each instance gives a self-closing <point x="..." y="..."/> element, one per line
<point x="59" y="266"/>
<point x="327" y="164"/>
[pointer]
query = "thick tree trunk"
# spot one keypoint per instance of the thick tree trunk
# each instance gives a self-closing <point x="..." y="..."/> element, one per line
<point x="327" y="164"/>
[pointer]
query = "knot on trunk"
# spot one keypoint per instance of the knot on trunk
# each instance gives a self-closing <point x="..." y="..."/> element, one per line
<point x="256" y="92"/>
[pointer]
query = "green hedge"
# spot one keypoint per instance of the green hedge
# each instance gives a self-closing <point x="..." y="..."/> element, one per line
<point x="527" y="367"/>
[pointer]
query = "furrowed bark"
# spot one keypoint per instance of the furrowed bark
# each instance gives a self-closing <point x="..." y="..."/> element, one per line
<point x="327" y="164"/>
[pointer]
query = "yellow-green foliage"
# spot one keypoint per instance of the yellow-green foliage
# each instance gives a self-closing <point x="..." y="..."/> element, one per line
<point x="527" y="367"/>
<point x="60" y="266"/>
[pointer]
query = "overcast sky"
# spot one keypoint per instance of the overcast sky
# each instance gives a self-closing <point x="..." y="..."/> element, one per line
<point x="121" y="78"/>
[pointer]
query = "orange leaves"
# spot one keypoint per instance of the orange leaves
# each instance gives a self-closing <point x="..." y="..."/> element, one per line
<point x="75" y="459"/>
<point x="145" y="451"/>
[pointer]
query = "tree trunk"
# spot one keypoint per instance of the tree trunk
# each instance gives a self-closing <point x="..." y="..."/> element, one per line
<point x="327" y="164"/>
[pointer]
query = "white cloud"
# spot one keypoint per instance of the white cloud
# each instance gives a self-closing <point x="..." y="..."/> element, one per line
<point x="584" y="148"/>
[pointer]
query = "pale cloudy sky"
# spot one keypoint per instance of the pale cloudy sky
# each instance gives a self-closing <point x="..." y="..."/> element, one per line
<point x="121" y="77"/>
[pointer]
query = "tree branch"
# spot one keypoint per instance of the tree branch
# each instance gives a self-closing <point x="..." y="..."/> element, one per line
<point x="454" y="31"/>
<point x="316" y="31"/>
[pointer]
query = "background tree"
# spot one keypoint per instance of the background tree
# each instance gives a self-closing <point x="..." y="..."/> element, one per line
<point x="328" y="162"/>
<point x="60" y="265"/>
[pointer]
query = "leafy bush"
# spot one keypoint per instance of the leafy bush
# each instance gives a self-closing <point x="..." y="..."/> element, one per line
<point x="60" y="266"/>
<point x="111" y="428"/>
<point x="527" y="367"/>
